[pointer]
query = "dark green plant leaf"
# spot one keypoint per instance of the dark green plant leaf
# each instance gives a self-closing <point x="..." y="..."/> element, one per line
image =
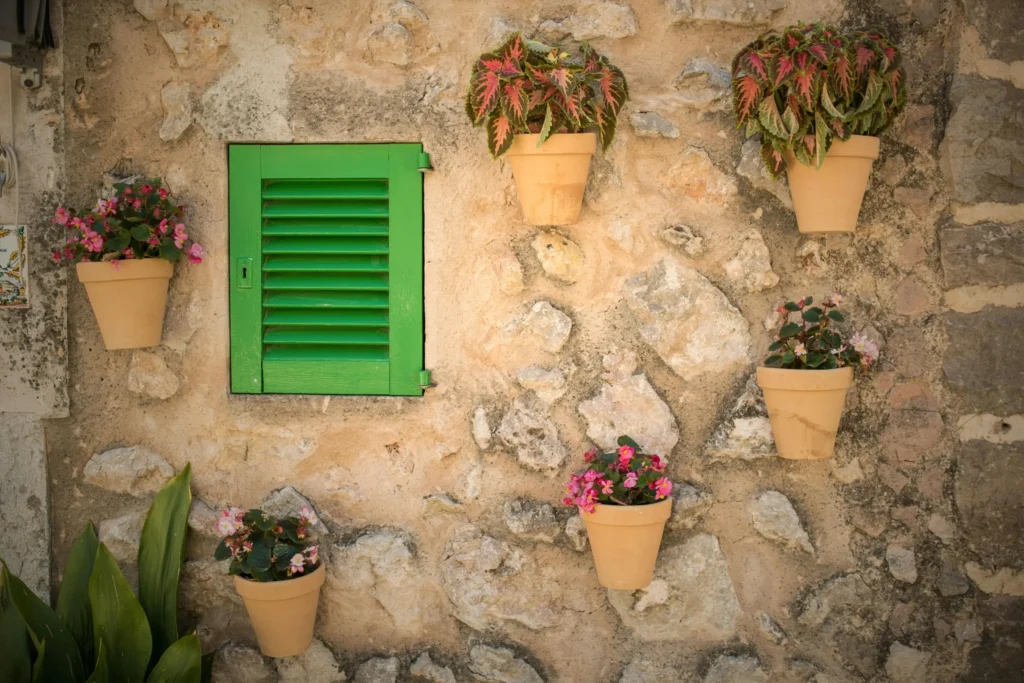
<point x="101" y="674"/>
<point x="812" y="315"/>
<point x="119" y="241"/>
<point x="15" y="644"/>
<point x="222" y="552"/>
<point x="120" y="626"/>
<point x="774" y="361"/>
<point x="792" y="307"/>
<point x="836" y="315"/>
<point x="259" y="558"/>
<point x="73" y="601"/>
<point x="628" y="441"/>
<point x="790" y="330"/>
<point x="814" y="359"/>
<point x="141" y="232"/>
<point x="180" y="663"/>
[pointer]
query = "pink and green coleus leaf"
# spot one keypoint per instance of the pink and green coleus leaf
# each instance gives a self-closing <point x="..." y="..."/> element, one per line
<point x="499" y="133"/>
<point x="613" y="88"/>
<point x="516" y="100"/>
<point x="484" y="93"/>
<point x="769" y="116"/>
<point x="746" y="97"/>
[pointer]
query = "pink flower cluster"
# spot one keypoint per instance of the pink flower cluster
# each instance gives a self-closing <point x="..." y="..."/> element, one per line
<point x="622" y="477"/>
<point x="266" y="548"/>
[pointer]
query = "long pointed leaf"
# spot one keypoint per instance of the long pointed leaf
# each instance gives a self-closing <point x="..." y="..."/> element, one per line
<point x="60" y="659"/>
<point x="119" y="624"/>
<point x="101" y="674"/>
<point x="181" y="663"/>
<point x="161" y="553"/>
<point x="73" y="601"/>
<point x="15" y="653"/>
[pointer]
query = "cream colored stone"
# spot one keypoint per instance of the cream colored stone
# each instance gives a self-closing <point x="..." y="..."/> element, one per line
<point x="559" y="256"/>
<point x="696" y="177"/>
<point x="149" y="375"/>
<point x="506" y="267"/>
<point x="1001" y="581"/>
<point x="630" y="406"/>
<point x="973" y="298"/>
<point x="991" y="428"/>
<point x="751" y="267"/>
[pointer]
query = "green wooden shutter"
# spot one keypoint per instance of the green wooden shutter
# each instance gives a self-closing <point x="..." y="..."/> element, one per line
<point x="326" y="246"/>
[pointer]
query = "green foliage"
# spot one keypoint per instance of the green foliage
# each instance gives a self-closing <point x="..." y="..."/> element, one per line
<point x="810" y="84"/>
<point x="528" y="87"/>
<point x="812" y="344"/>
<point x="100" y="632"/>
<point x="267" y="548"/>
<point x="626" y="476"/>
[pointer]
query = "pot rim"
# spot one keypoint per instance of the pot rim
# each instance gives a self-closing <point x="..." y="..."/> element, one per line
<point x="525" y="144"/>
<point x="127" y="269"/>
<point x="629" y="515"/>
<point x="857" y="147"/>
<point x="281" y="590"/>
<point x="791" y="379"/>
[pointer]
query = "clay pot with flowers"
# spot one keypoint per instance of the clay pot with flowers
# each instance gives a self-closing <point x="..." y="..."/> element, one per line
<point x="278" y="573"/>
<point x="807" y="375"/>
<point x="819" y="97"/>
<point x="623" y="498"/>
<point x="125" y="250"/>
<point x="546" y="109"/>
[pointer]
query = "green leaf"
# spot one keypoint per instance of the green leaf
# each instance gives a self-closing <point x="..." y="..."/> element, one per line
<point x="545" y="129"/>
<point x="836" y="315"/>
<point x="119" y="242"/>
<point x="119" y="622"/>
<point x="790" y="330"/>
<point x="222" y="552"/>
<point x="15" y="644"/>
<point x="820" y="140"/>
<point x="73" y="601"/>
<point x="40" y="670"/>
<point x="774" y="361"/>
<point x="812" y="315"/>
<point x="788" y="357"/>
<point x="776" y="345"/>
<point x="101" y="674"/>
<point x="814" y="359"/>
<point x="628" y="441"/>
<point x="828" y="105"/>
<point x="259" y="557"/>
<point x="161" y="554"/>
<point x="792" y="307"/>
<point x="808" y="300"/>
<point x="181" y="663"/>
<point x="61" y="660"/>
<point x="768" y="115"/>
<point x="141" y="232"/>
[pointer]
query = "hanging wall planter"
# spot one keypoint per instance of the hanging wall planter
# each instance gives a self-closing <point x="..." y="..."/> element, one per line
<point x="125" y="251"/>
<point x="546" y="109"/>
<point x="623" y="498"/>
<point x="282" y="612"/>
<point x="806" y="378"/>
<point x="818" y="98"/>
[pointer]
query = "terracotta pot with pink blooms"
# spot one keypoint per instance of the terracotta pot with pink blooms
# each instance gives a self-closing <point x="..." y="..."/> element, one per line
<point x="278" y="572"/>
<point x="125" y="250"/>
<point x="623" y="498"/>
<point x="807" y="376"/>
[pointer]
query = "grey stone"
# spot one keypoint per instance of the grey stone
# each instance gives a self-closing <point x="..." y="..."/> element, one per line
<point x="984" y="143"/>
<point x="151" y="9"/>
<point x="559" y="256"/>
<point x="688" y="505"/>
<point x="315" y="664"/>
<point x="425" y="668"/>
<point x="851" y="617"/>
<point x="686" y="238"/>
<point x="391" y="43"/>
<point x="437" y="503"/>
<point x="988" y="381"/>
<point x="987" y="490"/>
<point x="619" y="364"/>
<point x="967" y="631"/>
<point x="202" y="519"/>
<point x="500" y="665"/>
<point x="951" y="580"/>
<point x="177" y="99"/>
<point x="984" y="254"/>
<point x="378" y="670"/>
<point x="24" y="501"/>
<point x="241" y="664"/>
<point x="506" y="267"/>
<point x="1000" y="26"/>
<point x="651" y="124"/>
<point x="549" y="385"/>
<point x="751" y="266"/>
<point x="775" y="519"/>
<point x="734" y="669"/>
<point x="699" y="601"/>
<point x="771" y="628"/>
<point x="942" y="528"/>
<point x="178" y="39"/>
<point x="906" y="665"/>
<point x="545" y="325"/>
<point x="1002" y="658"/>
<point x="491" y="583"/>
<point x="288" y="502"/>
<point x="149" y="376"/>
<point x="529" y="431"/>
<point x="122" y="534"/>
<point x="702" y="83"/>
<point x="405" y="13"/>
<point x="601" y="19"/>
<point x="1001" y="581"/>
<point x="752" y="168"/>
<point x="688" y="321"/>
<point x="531" y="520"/>
<point x="727" y="11"/>
<point x="576" y="530"/>
<point x="481" y="429"/>
<point x="135" y="470"/>
<point x="184" y="318"/>
<point x="746" y="433"/>
<point x="630" y="406"/>
<point x="849" y="473"/>
<point x="649" y="671"/>
<point x="902" y="562"/>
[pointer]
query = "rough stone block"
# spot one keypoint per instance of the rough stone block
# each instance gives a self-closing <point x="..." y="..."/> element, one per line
<point x="984" y="360"/>
<point x="984" y="254"/>
<point x="1000" y="25"/>
<point x="987" y="488"/>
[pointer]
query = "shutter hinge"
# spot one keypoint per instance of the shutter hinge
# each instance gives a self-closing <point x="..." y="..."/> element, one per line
<point x="426" y="380"/>
<point x="425" y="164"/>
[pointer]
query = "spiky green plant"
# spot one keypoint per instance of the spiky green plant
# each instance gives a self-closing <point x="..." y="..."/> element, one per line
<point x="528" y="87"/>
<point x="100" y="632"/>
<point x="810" y="84"/>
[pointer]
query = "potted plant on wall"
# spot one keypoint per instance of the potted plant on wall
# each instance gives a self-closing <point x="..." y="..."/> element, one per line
<point x="807" y="375"/>
<point x="125" y="250"/>
<point x="546" y="109"/>
<point x="623" y="497"/>
<point x="277" y="572"/>
<point x="819" y="98"/>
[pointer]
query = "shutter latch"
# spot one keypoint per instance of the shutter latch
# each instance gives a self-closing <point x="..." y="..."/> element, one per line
<point x="425" y="164"/>
<point x="425" y="379"/>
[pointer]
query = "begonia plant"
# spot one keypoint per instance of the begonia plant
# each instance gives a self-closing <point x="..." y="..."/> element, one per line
<point x="266" y="548"/>
<point x="625" y="476"/>
<point x="811" y="343"/>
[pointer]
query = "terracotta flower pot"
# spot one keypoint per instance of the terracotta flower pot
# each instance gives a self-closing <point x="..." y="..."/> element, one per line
<point x="550" y="179"/>
<point x="282" y="612"/>
<point x="828" y="199"/>
<point x="804" y="408"/>
<point x="625" y="540"/>
<point x="128" y="299"/>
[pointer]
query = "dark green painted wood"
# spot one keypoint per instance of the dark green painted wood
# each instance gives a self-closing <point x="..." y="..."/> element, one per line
<point x="244" y="242"/>
<point x="406" y="259"/>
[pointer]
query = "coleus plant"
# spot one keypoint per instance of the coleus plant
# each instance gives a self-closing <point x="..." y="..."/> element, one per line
<point x="266" y="548"/>
<point x="625" y="476"/>
<point x="804" y="87"/>
<point x="811" y="343"/>
<point x="528" y="87"/>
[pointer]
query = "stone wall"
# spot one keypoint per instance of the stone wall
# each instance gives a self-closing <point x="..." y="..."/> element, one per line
<point x="901" y="559"/>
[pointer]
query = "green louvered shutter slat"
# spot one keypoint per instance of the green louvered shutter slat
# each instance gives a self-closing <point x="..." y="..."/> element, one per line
<point x="340" y="270"/>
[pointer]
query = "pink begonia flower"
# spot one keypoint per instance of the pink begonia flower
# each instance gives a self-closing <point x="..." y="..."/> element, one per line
<point x="128" y="254"/>
<point x="127" y="190"/>
<point x="62" y="216"/>
<point x="247" y="546"/>
<point x="867" y="348"/>
<point x="607" y="487"/>
<point x="307" y="514"/>
<point x="781" y="309"/>
<point x="297" y="564"/>
<point x="662" y="488"/>
<point x="162" y="227"/>
<point x="163" y="193"/>
<point x="591" y="476"/>
<point x="590" y="455"/>
<point x="630" y="481"/>
<point x="76" y="223"/>
<point x="137" y="204"/>
<point x="92" y="241"/>
<point x="154" y="241"/>
<point x="146" y="189"/>
<point x="226" y="524"/>
<point x="313" y="554"/>
<point x="195" y="256"/>
<point x="179" y="235"/>
<point x="835" y="299"/>
<point x="625" y="455"/>
<point x="657" y="463"/>
<point x="568" y="501"/>
<point x="800" y="350"/>
<point x="55" y="256"/>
